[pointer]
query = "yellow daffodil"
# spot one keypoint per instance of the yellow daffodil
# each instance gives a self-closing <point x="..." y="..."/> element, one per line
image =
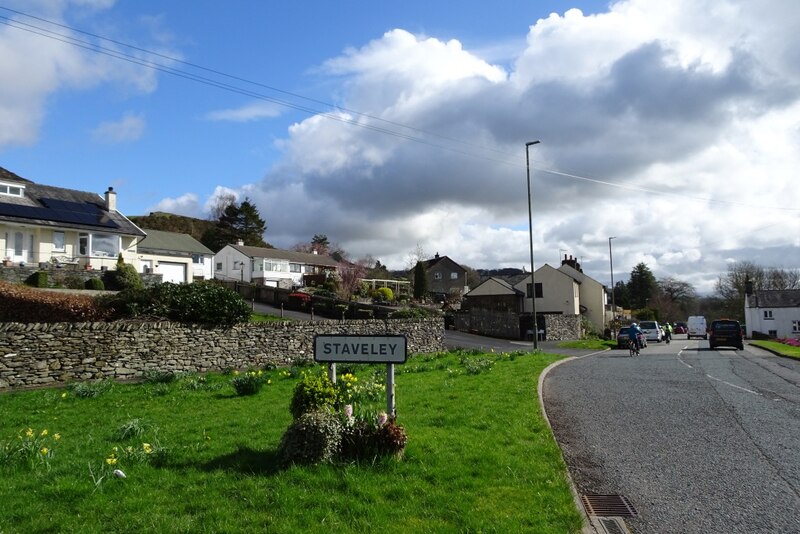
<point x="29" y="433"/>
<point x="64" y="395"/>
<point x="147" y="448"/>
<point x="45" y="450"/>
<point x="111" y="460"/>
<point x="44" y="432"/>
<point x="56" y="436"/>
<point x="269" y="381"/>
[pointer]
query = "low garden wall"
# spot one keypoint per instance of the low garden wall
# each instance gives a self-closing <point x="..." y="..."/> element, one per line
<point x="50" y="353"/>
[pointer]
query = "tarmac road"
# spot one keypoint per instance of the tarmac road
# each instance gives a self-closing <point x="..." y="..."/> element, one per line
<point x="698" y="440"/>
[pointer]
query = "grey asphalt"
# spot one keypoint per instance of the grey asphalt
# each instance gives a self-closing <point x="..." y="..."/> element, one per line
<point x="698" y="440"/>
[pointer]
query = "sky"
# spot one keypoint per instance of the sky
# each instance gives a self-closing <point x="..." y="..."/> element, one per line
<point x="399" y="128"/>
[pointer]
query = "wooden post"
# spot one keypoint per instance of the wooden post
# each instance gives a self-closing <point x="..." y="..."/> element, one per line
<point x="332" y="372"/>
<point x="390" y="406"/>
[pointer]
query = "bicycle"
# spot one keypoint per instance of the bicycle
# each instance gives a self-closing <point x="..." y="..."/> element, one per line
<point x="633" y="348"/>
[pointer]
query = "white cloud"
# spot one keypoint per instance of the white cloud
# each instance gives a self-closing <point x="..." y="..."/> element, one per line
<point x="251" y="112"/>
<point x="128" y="128"/>
<point x="187" y="204"/>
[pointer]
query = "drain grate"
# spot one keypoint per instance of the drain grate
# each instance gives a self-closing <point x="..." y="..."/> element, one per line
<point x="612" y="525"/>
<point x="609" y="505"/>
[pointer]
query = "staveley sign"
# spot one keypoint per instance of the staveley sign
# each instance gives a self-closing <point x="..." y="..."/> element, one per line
<point x="360" y="349"/>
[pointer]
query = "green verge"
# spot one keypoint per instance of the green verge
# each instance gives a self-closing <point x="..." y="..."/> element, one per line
<point x="589" y="344"/>
<point x="480" y="457"/>
<point x="780" y="348"/>
<point x="256" y="317"/>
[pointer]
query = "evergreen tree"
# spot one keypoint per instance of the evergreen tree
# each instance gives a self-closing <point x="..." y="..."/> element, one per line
<point x="420" y="281"/>
<point x="642" y="286"/>
<point x="237" y="222"/>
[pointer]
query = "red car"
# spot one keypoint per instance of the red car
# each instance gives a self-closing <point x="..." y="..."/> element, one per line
<point x="679" y="328"/>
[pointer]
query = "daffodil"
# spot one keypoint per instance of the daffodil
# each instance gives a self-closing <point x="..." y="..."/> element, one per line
<point x="111" y="460"/>
<point x="147" y="448"/>
<point x="44" y="432"/>
<point x="45" y="450"/>
<point x="64" y="395"/>
<point x="56" y="436"/>
<point x="29" y="433"/>
<point x="269" y="381"/>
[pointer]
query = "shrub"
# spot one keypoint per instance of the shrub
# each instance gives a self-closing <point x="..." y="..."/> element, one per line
<point x="73" y="281"/>
<point x="23" y="304"/>
<point x="386" y="293"/>
<point x="124" y="277"/>
<point x="90" y="389"/>
<point x="95" y="283"/>
<point x="314" y="392"/>
<point x="156" y="376"/>
<point x="199" y="302"/>
<point x="37" y="279"/>
<point x="365" y="438"/>
<point x="248" y="383"/>
<point x="313" y="437"/>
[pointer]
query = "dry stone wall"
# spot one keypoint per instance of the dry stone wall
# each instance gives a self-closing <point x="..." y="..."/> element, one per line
<point x="48" y="354"/>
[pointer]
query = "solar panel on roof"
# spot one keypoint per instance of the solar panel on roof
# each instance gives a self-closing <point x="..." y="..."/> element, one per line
<point x="61" y="211"/>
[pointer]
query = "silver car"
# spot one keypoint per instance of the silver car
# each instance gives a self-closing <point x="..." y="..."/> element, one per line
<point x="652" y="331"/>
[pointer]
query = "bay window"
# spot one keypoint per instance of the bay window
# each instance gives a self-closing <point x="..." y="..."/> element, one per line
<point x="98" y="245"/>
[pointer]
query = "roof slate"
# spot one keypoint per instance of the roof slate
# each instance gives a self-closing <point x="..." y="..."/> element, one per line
<point x="34" y="193"/>
<point x="277" y="254"/>
<point x="776" y="298"/>
<point x="158" y="241"/>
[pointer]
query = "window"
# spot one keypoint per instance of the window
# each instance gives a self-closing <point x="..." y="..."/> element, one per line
<point x="219" y="265"/>
<point x="198" y="259"/>
<point x="773" y="333"/>
<point x="58" y="241"/>
<point x="437" y="276"/>
<point x="768" y="315"/>
<point x="294" y="268"/>
<point x="275" y="266"/>
<point x="795" y="326"/>
<point x="98" y="245"/>
<point x="11" y="190"/>
<point x="453" y="276"/>
<point x="538" y="290"/>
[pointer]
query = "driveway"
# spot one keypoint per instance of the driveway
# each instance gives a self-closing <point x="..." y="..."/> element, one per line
<point x="698" y="440"/>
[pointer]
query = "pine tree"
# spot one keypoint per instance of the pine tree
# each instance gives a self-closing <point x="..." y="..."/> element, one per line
<point x="420" y="281"/>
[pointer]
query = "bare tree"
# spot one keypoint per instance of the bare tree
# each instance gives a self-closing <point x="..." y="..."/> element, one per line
<point x="350" y="275"/>
<point x="416" y="255"/>
<point x="220" y="204"/>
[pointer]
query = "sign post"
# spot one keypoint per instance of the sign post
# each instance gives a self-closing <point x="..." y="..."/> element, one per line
<point x="363" y="349"/>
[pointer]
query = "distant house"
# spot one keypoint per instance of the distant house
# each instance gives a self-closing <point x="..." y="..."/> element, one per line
<point x="775" y="313"/>
<point x="444" y="276"/>
<point x="493" y="308"/>
<point x="271" y="266"/>
<point x="46" y="224"/>
<point x="179" y="258"/>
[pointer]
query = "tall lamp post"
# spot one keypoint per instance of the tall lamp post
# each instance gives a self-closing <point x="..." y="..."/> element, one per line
<point x="530" y="235"/>
<point x="613" y="302"/>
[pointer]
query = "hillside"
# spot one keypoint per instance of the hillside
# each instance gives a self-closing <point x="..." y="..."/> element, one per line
<point x="169" y="222"/>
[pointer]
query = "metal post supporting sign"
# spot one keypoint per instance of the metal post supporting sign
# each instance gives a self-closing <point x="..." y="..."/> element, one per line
<point x="390" y="349"/>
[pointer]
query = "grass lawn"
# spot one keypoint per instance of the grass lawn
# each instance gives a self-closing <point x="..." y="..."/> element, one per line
<point x="479" y="458"/>
<point x="782" y="348"/>
<point x="257" y="317"/>
<point x="589" y="344"/>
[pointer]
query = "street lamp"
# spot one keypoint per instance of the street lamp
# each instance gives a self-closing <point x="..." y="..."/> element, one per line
<point x="530" y="235"/>
<point x="611" y="262"/>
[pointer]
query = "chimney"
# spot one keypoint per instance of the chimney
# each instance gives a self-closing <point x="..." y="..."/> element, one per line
<point x="240" y="242"/>
<point x="111" y="199"/>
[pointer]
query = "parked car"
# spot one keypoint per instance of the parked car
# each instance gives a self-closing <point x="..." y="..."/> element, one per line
<point x="679" y="328"/>
<point x="623" y="338"/>
<point x="725" y="333"/>
<point x="697" y="327"/>
<point x="652" y="331"/>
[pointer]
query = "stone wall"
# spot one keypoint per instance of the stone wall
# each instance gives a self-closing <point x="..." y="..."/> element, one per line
<point x="59" y="277"/>
<point x="47" y="354"/>
<point x="562" y="327"/>
<point x="506" y="324"/>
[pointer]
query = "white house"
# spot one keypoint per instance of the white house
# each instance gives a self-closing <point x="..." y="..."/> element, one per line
<point x="556" y="292"/>
<point x="179" y="258"/>
<point x="270" y="266"/>
<point x="45" y="224"/>
<point x="775" y="313"/>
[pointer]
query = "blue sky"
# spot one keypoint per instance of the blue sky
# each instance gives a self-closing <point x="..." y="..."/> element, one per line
<point x="672" y="126"/>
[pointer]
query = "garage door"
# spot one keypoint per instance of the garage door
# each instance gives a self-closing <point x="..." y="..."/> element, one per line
<point x="172" y="272"/>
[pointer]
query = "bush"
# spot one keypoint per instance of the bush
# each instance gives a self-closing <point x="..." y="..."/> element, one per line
<point x="248" y="383"/>
<point x="369" y="438"/>
<point x="313" y="437"/>
<point x="22" y="304"/>
<point x="37" y="279"/>
<point x="198" y="302"/>
<point x="124" y="277"/>
<point x="314" y="392"/>
<point x="89" y="390"/>
<point x="386" y="294"/>
<point x="73" y="281"/>
<point x="156" y="376"/>
<point x="95" y="284"/>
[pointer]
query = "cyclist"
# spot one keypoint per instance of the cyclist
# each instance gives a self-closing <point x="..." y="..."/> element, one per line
<point x="667" y="332"/>
<point x="633" y="336"/>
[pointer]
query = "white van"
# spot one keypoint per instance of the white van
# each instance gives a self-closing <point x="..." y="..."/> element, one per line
<point x="696" y="327"/>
